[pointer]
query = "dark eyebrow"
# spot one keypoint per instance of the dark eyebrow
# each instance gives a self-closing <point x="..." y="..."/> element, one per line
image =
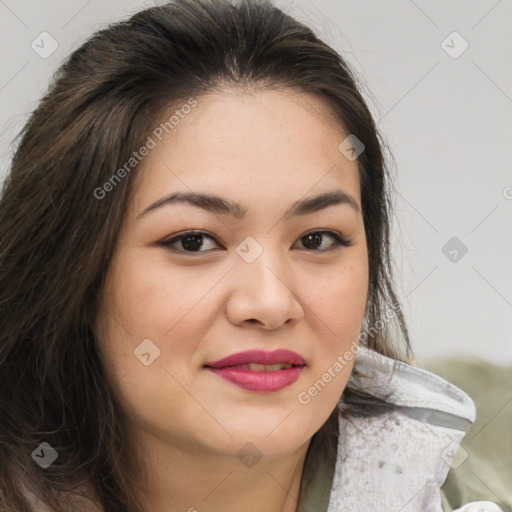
<point x="219" y="205"/>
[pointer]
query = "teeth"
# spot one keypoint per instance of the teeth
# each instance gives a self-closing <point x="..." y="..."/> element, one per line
<point x="255" y="367"/>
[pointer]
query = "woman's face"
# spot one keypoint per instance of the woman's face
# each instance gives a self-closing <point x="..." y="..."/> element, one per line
<point x="253" y="282"/>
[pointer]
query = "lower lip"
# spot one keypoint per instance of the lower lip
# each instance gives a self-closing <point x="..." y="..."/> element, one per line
<point x="261" y="382"/>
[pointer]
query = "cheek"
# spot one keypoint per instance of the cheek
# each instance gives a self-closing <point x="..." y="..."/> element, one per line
<point x="151" y="299"/>
<point x="338" y="315"/>
<point x="337" y="309"/>
<point x="341" y="299"/>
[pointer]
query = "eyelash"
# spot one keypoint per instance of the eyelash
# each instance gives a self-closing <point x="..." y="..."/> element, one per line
<point x="339" y="241"/>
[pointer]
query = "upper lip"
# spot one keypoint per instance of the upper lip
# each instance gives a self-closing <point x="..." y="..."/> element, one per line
<point x="260" y="357"/>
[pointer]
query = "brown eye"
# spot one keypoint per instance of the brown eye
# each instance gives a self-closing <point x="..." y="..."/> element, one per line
<point x="314" y="239"/>
<point x="188" y="242"/>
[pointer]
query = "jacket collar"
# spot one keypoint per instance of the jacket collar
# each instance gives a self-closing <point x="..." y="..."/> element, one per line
<point x="397" y="460"/>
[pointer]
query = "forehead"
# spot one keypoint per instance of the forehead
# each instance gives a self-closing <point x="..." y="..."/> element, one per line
<point x="267" y="144"/>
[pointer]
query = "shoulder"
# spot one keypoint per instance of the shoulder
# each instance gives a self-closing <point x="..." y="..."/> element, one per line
<point x="484" y="471"/>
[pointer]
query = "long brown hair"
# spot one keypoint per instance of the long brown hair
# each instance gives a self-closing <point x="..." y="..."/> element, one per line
<point x="57" y="236"/>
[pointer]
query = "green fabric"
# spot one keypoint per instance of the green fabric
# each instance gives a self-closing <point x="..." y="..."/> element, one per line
<point x="318" y="473"/>
<point x="486" y="474"/>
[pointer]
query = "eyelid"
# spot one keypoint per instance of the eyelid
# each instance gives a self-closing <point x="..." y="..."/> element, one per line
<point x="339" y="241"/>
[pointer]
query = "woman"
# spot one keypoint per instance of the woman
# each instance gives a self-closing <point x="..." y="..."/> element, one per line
<point x="196" y="289"/>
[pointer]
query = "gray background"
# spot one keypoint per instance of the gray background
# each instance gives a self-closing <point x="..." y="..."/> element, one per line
<point x="447" y="119"/>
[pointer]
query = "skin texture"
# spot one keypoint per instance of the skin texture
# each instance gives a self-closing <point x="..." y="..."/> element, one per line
<point x="265" y="150"/>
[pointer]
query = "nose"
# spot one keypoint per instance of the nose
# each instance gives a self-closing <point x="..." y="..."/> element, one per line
<point x="263" y="293"/>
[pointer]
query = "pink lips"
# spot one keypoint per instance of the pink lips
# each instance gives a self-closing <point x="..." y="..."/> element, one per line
<point x="234" y="369"/>
<point x="260" y="357"/>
